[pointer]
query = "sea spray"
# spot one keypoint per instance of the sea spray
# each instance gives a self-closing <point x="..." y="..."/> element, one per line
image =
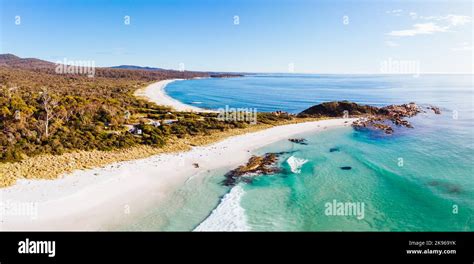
<point x="228" y="215"/>
<point x="296" y="164"/>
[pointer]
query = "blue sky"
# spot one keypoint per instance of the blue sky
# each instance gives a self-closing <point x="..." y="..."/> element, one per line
<point x="270" y="36"/>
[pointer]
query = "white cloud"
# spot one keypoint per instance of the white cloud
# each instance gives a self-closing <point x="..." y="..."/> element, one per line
<point x="391" y="43"/>
<point x="452" y="20"/>
<point x="441" y="24"/>
<point x="419" y="29"/>
<point x="395" y="12"/>
<point x="464" y="46"/>
<point x="457" y="20"/>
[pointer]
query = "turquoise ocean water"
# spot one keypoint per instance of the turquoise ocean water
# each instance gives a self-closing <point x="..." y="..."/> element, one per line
<point x="419" y="179"/>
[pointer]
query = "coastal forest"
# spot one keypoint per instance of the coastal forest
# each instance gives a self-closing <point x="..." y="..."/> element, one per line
<point x="43" y="112"/>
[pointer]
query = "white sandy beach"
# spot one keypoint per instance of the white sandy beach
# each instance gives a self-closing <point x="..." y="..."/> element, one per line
<point x="155" y="92"/>
<point x="101" y="198"/>
<point x="96" y="199"/>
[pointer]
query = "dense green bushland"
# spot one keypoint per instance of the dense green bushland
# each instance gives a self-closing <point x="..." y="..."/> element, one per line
<point x="44" y="112"/>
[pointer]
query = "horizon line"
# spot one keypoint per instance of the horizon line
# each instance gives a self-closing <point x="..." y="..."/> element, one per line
<point x="267" y="72"/>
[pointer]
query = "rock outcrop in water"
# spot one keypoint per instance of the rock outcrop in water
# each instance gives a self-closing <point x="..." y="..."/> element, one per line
<point x="435" y="109"/>
<point x="379" y="118"/>
<point x="394" y="113"/>
<point x="256" y="165"/>
<point x="300" y="141"/>
<point x="448" y="187"/>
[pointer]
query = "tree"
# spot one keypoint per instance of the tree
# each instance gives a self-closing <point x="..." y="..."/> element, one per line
<point x="48" y="104"/>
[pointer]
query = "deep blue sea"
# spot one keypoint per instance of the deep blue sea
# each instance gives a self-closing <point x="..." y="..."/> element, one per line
<point x="294" y="93"/>
<point x="419" y="179"/>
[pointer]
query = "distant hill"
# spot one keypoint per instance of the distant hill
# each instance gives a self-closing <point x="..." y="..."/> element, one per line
<point x="8" y="57"/>
<point x="10" y="60"/>
<point x="14" y="62"/>
<point x="133" y="67"/>
<point x="122" y="71"/>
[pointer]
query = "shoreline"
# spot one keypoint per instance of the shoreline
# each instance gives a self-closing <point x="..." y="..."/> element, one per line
<point x="155" y="93"/>
<point x="123" y="190"/>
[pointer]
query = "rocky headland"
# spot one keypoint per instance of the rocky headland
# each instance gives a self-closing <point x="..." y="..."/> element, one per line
<point x="371" y="117"/>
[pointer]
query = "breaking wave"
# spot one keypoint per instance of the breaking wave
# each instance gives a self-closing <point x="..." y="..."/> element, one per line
<point x="296" y="164"/>
<point x="228" y="215"/>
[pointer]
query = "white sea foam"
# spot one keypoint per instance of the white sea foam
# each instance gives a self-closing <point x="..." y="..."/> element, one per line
<point x="229" y="214"/>
<point x="296" y="164"/>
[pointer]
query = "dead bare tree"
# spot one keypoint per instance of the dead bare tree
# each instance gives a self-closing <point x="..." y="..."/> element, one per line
<point x="48" y="104"/>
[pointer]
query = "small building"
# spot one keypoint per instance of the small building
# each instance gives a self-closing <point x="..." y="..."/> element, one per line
<point x="133" y="129"/>
<point x="170" y="121"/>
<point x="154" y="123"/>
<point x="136" y="131"/>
